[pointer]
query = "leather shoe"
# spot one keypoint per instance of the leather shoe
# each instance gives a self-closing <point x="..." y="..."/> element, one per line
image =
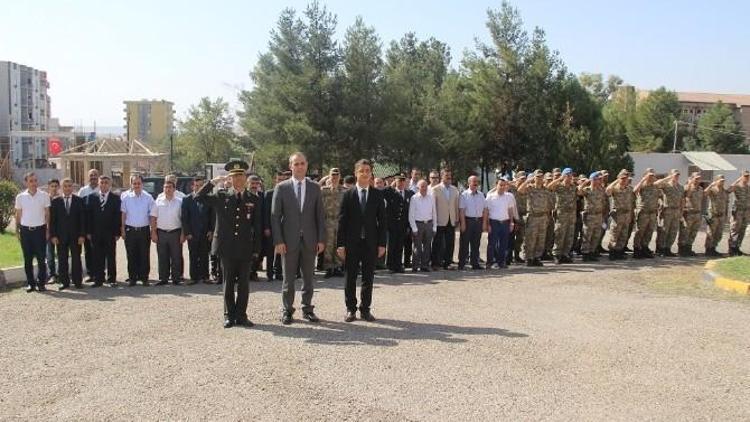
<point x="30" y="288"/>
<point x="245" y="323"/>
<point x="146" y="283"/>
<point x="286" y="318"/>
<point x="131" y="283"/>
<point x="350" y="316"/>
<point x="161" y="282"/>
<point x="367" y="316"/>
<point x="41" y="288"/>
<point x="425" y="270"/>
<point x="78" y="285"/>
<point x="63" y="287"/>
<point x="310" y="316"/>
<point x="228" y="323"/>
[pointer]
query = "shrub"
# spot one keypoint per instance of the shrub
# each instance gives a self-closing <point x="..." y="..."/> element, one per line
<point x="8" y="192"/>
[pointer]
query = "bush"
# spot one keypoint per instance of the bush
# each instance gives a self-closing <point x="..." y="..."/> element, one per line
<point x="8" y="192"/>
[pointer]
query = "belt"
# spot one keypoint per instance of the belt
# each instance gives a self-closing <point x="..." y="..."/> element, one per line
<point x="472" y="218"/>
<point x="168" y="231"/>
<point x="500" y="221"/>
<point x="138" y="228"/>
<point x="425" y="222"/>
<point x="31" y="229"/>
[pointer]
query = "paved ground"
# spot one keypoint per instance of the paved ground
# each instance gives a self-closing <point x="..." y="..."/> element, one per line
<point x="586" y="342"/>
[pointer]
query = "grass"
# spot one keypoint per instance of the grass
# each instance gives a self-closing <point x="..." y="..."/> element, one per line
<point x="737" y="268"/>
<point x="687" y="281"/>
<point x="10" y="251"/>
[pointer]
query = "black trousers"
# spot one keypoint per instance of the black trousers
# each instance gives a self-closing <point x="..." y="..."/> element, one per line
<point x="236" y="273"/>
<point x="356" y="255"/>
<point x="443" y="245"/>
<point x="103" y="254"/>
<point x="69" y="249"/>
<point x="169" y="250"/>
<point x="469" y="242"/>
<point x="198" y="248"/>
<point x="407" y="248"/>
<point x="396" y="237"/>
<point x="273" y="264"/>
<point x="89" y="259"/>
<point x="138" y="249"/>
<point x="34" y="245"/>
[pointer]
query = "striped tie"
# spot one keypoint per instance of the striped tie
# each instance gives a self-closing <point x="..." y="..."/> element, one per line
<point x="102" y="201"/>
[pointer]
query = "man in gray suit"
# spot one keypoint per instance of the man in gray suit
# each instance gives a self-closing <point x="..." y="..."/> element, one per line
<point x="298" y="229"/>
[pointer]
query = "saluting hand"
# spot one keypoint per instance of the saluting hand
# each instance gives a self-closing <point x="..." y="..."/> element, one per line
<point x="281" y="249"/>
<point x="321" y="247"/>
<point x="341" y="252"/>
<point x="381" y="251"/>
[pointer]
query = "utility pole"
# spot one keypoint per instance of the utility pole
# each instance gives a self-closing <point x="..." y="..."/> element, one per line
<point x="674" y="143"/>
<point x="171" y="153"/>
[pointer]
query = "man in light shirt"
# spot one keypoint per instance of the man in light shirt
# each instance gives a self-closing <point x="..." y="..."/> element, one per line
<point x="470" y="213"/>
<point x="166" y="232"/>
<point x="136" y="206"/>
<point x="423" y="223"/>
<point x="84" y="192"/>
<point x="416" y="176"/>
<point x="177" y="193"/>
<point x="32" y="229"/>
<point x="499" y="214"/>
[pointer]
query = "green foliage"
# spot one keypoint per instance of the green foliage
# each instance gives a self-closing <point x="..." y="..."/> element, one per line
<point x="8" y="192"/>
<point x="718" y="131"/>
<point x="206" y="136"/>
<point x="652" y="126"/>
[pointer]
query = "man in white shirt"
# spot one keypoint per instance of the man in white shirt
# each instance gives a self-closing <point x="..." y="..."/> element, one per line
<point x="84" y="192"/>
<point x="470" y="213"/>
<point x="177" y="193"/>
<point x="500" y="211"/>
<point x="166" y="232"/>
<point x="32" y="229"/>
<point x="423" y="223"/>
<point x="136" y="206"/>
<point x="416" y="176"/>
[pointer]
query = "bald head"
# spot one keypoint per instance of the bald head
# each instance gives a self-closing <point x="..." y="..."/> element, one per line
<point x="473" y="183"/>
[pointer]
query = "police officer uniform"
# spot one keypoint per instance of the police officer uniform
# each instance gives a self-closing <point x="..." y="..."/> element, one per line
<point x="238" y="236"/>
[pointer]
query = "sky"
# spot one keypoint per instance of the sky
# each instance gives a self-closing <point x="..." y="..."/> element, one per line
<point x="98" y="54"/>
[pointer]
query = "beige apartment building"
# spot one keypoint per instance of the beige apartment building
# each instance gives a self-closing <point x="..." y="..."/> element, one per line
<point x="148" y="120"/>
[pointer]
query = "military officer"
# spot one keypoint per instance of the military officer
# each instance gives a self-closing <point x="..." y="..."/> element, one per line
<point x="718" y="201"/>
<point x="537" y="218"/>
<point x="397" y="217"/>
<point x="549" y="238"/>
<point x="564" y="190"/>
<point x="669" y="212"/>
<point x="623" y="198"/>
<point x="238" y="232"/>
<point x="331" y="195"/>
<point x="594" y="199"/>
<point x="647" y="204"/>
<point x="740" y="213"/>
<point x="519" y="227"/>
<point x="691" y="215"/>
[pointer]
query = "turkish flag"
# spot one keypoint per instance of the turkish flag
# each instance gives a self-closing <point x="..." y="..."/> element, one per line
<point x="54" y="146"/>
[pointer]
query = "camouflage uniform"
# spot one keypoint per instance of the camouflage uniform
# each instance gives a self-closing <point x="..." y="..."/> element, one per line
<point x="622" y="209"/>
<point x="691" y="219"/>
<point x="669" y="215"/>
<point x="565" y="219"/>
<point x="593" y="217"/>
<point x="718" y="200"/>
<point x="538" y="208"/>
<point x="740" y="217"/>
<point x="519" y="229"/>
<point x="647" y="203"/>
<point x="331" y="197"/>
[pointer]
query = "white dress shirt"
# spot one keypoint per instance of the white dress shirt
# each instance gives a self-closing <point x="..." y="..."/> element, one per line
<point x="422" y="208"/>
<point x="177" y="194"/>
<point x="168" y="213"/>
<point x="87" y="190"/>
<point x="472" y="203"/>
<point x="501" y="206"/>
<point x="32" y="207"/>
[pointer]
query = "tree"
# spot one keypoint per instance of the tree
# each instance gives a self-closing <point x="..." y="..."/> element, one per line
<point x="206" y="136"/>
<point x="652" y="127"/>
<point x="8" y="192"/>
<point x="718" y="131"/>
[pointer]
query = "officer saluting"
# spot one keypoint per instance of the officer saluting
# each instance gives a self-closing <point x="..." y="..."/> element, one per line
<point x="238" y="231"/>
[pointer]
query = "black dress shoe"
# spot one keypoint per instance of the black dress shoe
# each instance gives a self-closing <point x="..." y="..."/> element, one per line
<point x="476" y="267"/>
<point x="113" y="283"/>
<point x="228" y="323"/>
<point x="367" y="316"/>
<point x="310" y="316"/>
<point x="176" y="282"/>
<point x="425" y="270"/>
<point x="97" y="284"/>
<point x="41" y="287"/>
<point x="30" y="288"/>
<point x="400" y="270"/>
<point x="78" y="285"/>
<point x="286" y="318"/>
<point x="245" y="323"/>
<point x="131" y="283"/>
<point x="350" y="316"/>
<point x="161" y="282"/>
<point x="63" y="287"/>
<point x="145" y="283"/>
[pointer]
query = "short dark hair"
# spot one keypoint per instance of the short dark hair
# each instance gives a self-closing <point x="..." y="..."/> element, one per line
<point x="362" y="162"/>
<point x="198" y="179"/>
<point x="104" y="177"/>
<point x="169" y="182"/>
<point x="350" y="179"/>
<point x="51" y="181"/>
<point x="27" y="175"/>
<point x="135" y="176"/>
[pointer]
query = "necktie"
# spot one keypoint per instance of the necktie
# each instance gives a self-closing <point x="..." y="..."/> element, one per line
<point x="102" y="201"/>
<point x="67" y="205"/>
<point x="363" y="200"/>
<point x="239" y="196"/>
<point x="299" y="195"/>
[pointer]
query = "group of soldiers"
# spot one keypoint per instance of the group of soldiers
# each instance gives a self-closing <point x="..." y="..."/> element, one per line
<point x="561" y="214"/>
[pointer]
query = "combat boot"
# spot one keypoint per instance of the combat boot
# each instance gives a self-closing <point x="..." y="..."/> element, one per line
<point x="647" y="253"/>
<point x="589" y="257"/>
<point x="559" y="259"/>
<point x="529" y="262"/>
<point x="612" y="254"/>
<point x="638" y="254"/>
<point x="538" y="263"/>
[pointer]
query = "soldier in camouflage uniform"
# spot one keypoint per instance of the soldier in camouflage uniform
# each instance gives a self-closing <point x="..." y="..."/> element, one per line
<point x="623" y="198"/>
<point x="564" y="190"/>
<point x="604" y="175"/>
<point x="691" y="215"/>
<point x="537" y="218"/>
<point x="740" y="213"/>
<point x="331" y="195"/>
<point x="519" y="228"/>
<point x="549" y="238"/>
<point x="647" y="204"/>
<point x="670" y="212"/>
<point x="593" y="215"/>
<point x="718" y="201"/>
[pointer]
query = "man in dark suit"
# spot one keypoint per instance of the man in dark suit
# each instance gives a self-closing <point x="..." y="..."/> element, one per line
<point x="397" y="212"/>
<point x="67" y="233"/>
<point x="238" y="230"/>
<point x="197" y="227"/>
<point x="361" y="239"/>
<point x="103" y="230"/>
<point x="273" y="260"/>
<point x="299" y="233"/>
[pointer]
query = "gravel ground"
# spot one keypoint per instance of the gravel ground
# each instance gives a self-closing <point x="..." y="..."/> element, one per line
<point x="585" y="342"/>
